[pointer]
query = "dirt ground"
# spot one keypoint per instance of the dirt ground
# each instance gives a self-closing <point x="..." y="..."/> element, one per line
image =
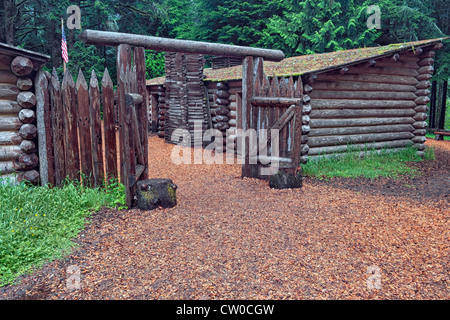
<point x="233" y="238"/>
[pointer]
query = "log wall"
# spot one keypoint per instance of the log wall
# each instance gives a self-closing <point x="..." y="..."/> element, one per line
<point x="184" y="95"/>
<point x="371" y="106"/>
<point x="18" y="132"/>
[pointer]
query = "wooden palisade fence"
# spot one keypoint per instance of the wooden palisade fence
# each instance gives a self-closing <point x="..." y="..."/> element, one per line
<point x="79" y="143"/>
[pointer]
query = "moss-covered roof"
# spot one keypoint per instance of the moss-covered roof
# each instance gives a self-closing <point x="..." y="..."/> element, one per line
<point x="302" y="65"/>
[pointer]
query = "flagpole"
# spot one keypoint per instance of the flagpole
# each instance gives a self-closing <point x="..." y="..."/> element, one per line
<point x="62" y="26"/>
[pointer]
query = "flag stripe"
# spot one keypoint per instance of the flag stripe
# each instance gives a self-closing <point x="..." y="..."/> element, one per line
<point x="65" y="54"/>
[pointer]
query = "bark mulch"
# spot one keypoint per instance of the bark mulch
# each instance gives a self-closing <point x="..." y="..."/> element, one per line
<point x="233" y="238"/>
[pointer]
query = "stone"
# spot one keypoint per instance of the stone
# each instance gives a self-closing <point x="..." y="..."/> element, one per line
<point x="154" y="193"/>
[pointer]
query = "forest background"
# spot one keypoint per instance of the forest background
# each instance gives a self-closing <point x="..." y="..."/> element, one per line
<point x="296" y="27"/>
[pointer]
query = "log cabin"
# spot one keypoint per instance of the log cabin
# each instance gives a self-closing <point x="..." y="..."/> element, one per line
<point x="19" y="109"/>
<point x="367" y="98"/>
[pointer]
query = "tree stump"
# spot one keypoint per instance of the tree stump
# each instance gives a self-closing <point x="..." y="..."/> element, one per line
<point x="154" y="193"/>
<point x="284" y="180"/>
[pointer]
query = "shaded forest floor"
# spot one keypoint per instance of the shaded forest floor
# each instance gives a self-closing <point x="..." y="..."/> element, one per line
<point x="233" y="238"/>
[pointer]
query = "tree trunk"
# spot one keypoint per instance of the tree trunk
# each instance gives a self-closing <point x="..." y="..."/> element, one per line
<point x="443" y="105"/>
<point x="7" y="28"/>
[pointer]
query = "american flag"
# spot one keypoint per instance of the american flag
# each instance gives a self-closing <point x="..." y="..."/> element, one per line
<point x="65" y="55"/>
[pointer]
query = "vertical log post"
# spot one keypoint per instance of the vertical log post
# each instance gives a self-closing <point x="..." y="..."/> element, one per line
<point x="123" y="67"/>
<point x="46" y="167"/>
<point x="441" y="124"/>
<point x="84" y="127"/>
<point x="109" y="127"/>
<point x="58" y="129"/>
<point x="142" y="109"/>
<point x="96" y="131"/>
<point x="70" y="124"/>
<point x="245" y="123"/>
<point x="129" y="150"/>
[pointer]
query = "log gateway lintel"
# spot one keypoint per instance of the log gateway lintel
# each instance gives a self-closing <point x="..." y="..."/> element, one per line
<point x="106" y="38"/>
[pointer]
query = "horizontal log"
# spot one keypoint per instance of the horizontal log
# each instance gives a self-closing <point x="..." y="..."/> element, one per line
<point x="361" y="104"/>
<point x="360" y="130"/>
<point x="28" y="146"/>
<point x="422" y="100"/>
<point x="135" y="98"/>
<point x="28" y="131"/>
<point x="220" y="118"/>
<point x="10" y="138"/>
<point x="5" y="62"/>
<point x="222" y="102"/>
<point x="361" y="154"/>
<point x="175" y="45"/>
<point x="31" y="176"/>
<point x="270" y="159"/>
<point x="7" y="77"/>
<point x="420" y="125"/>
<point x="9" y="91"/>
<point x="306" y="109"/>
<point x="8" y="123"/>
<point x="426" y="70"/>
<point x="368" y="78"/>
<point x="358" y="122"/>
<point x="21" y="66"/>
<point x="414" y="52"/>
<point x="362" y="86"/>
<point x="28" y="161"/>
<point x="419" y="146"/>
<point x="363" y="95"/>
<point x="222" y="94"/>
<point x="222" y="110"/>
<point x="221" y="126"/>
<point x="423" y="85"/>
<point x="9" y="107"/>
<point x="26" y="99"/>
<point x="306" y="120"/>
<point x="364" y="146"/>
<point x="407" y="58"/>
<point x="307" y="88"/>
<point x="306" y="129"/>
<point x="27" y="116"/>
<point x="274" y="101"/>
<point x="421" y="108"/>
<point x="419" y="139"/>
<point x="10" y="153"/>
<point x="360" y="138"/>
<point x="220" y="86"/>
<point x="420" y="132"/>
<point x="424" y="77"/>
<point x="24" y="83"/>
<point x="428" y="54"/>
<point x="423" y="92"/>
<point x="364" y="113"/>
<point x="438" y="46"/>
<point x="7" y="167"/>
<point x="426" y="62"/>
<point x="383" y="71"/>
<point x="397" y="64"/>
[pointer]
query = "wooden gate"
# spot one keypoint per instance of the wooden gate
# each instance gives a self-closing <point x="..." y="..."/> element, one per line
<point x="132" y="99"/>
<point x="271" y="105"/>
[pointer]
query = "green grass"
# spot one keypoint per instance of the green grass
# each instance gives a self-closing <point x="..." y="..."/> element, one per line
<point x="38" y="224"/>
<point x="350" y="165"/>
